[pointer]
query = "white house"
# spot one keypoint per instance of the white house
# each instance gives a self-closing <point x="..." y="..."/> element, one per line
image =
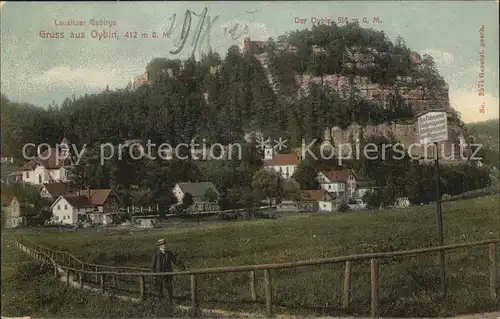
<point x="363" y="187"/>
<point x="198" y="191"/>
<point x="285" y="164"/>
<point x="95" y="205"/>
<point x="321" y="198"/>
<point x="12" y="210"/>
<point x="340" y="183"/>
<point x="49" y="166"/>
<point x="71" y="209"/>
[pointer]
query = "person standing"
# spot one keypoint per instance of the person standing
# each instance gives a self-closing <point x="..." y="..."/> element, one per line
<point x="163" y="261"/>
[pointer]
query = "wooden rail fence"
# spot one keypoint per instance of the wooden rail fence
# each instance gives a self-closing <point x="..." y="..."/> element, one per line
<point x="100" y="275"/>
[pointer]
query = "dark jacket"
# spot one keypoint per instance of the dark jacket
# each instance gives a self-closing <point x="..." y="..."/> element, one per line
<point x="163" y="261"/>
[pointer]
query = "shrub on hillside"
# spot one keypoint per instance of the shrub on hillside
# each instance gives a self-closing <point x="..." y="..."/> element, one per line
<point x="30" y="270"/>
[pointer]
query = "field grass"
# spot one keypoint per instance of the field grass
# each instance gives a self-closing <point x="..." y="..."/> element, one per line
<point x="409" y="287"/>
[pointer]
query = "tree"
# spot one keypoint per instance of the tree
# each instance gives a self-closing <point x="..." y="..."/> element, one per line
<point x="306" y="175"/>
<point x="187" y="200"/>
<point x="210" y="196"/>
<point x="268" y="182"/>
<point x="291" y="189"/>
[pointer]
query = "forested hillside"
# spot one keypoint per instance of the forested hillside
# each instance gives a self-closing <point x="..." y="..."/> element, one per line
<point x="221" y="99"/>
<point x="222" y="105"/>
<point x="487" y="133"/>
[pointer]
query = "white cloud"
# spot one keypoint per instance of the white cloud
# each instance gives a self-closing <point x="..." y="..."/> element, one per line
<point x="468" y="103"/>
<point x="442" y="58"/>
<point x="97" y="77"/>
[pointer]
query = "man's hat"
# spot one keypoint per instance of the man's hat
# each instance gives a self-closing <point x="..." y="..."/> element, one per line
<point x="161" y="241"/>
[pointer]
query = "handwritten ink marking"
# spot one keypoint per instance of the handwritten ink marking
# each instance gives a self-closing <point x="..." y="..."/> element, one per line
<point x="480" y="83"/>
<point x="204" y="20"/>
<point x="235" y="33"/>
<point x="186" y="27"/>
<point x="205" y="38"/>
<point x="200" y="28"/>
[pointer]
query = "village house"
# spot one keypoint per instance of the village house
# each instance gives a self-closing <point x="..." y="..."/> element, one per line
<point x="6" y="158"/>
<point x="71" y="209"/>
<point x="52" y="191"/>
<point x="198" y="190"/>
<point x="364" y="187"/>
<point x="317" y="200"/>
<point x="50" y="166"/>
<point x="340" y="183"/>
<point x="285" y="164"/>
<point x="98" y="206"/>
<point x="12" y="210"/>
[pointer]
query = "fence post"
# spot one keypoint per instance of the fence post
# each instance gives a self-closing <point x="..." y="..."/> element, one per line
<point x="194" y="297"/>
<point x="374" y="288"/>
<point x="268" y="289"/>
<point x="493" y="271"/>
<point x="102" y="282"/>
<point x="80" y="277"/>
<point x="95" y="275"/>
<point x="55" y="270"/>
<point x="82" y="272"/>
<point x="253" y="291"/>
<point x="67" y="276"/>
<point x="141" y="286"/>
<point x="347" y="285"/>
<point x="113" y="281"/>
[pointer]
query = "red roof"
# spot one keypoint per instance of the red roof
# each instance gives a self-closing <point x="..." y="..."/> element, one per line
<point x="283" y="159"/>
<point x="95" y="196"/>
<point x="99" y="196"/>
<point x="314" y="194"/>
<point x="337" y="176"/>
<point x="7" y="200"/>
<point x="57" y="189"/>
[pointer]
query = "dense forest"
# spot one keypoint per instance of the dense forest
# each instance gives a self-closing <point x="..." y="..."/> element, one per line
<point x="221" y="99"/>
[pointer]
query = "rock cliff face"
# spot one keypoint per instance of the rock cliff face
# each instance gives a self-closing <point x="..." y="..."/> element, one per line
<point x="420" y="99"/>
<point x="449" y="151"/>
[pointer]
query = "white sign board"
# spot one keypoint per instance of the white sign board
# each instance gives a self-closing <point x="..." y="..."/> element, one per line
<point x="433" y="127"/>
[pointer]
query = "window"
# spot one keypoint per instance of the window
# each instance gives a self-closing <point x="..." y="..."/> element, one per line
<point x="58" y="207"/>
<point x="64" y="217"/>
<point x="65" y="207"/>
<point x="39" y="179"/>
<point x="27" y="174"/>
<point x="329" y="186"/>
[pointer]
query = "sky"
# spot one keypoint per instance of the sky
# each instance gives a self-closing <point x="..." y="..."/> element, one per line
<point x="41" y="70"/>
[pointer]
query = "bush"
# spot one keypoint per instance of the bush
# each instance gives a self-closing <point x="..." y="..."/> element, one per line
<point x="471" y="194"/>
<point x="30" y="270"/>
<point x="344" y="207"/>
<point x="227" y="216"/>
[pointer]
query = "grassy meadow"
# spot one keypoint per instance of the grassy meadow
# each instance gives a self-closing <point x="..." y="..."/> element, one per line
<point x="409" y="287"/>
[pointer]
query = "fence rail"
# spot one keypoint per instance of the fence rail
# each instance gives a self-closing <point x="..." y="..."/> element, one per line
<point x="105" y="277"/>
